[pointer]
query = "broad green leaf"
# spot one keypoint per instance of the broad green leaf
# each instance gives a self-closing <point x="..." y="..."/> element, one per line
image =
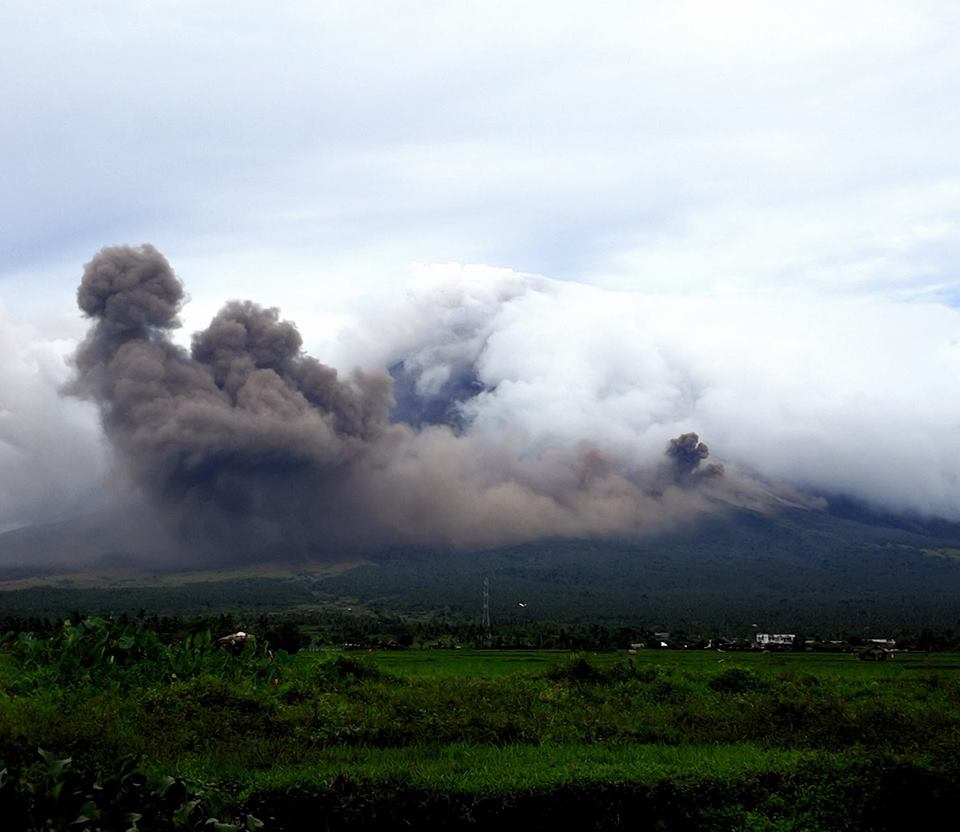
<point x="55" y="767"/>
<point x="219" y="826"/>
<point x="182" y="816"/>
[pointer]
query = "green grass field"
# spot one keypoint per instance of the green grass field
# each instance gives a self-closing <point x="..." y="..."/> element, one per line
<point x="466" y="739"/>
<point x="492" y="663"/>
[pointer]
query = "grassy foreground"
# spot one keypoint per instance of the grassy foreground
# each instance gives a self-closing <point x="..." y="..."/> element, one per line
<point x="138" y="734"/>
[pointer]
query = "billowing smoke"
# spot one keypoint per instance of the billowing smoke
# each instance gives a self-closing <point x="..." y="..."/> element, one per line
<point x="687" y="452"/>
<point x="247" y="447"/>
<point x="244" y="443"/>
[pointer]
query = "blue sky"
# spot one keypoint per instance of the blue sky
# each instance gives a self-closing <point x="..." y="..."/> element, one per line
<point x="316" y="156"/>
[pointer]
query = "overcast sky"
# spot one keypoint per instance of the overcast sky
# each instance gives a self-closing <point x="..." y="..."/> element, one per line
<point x="317" y="155"/>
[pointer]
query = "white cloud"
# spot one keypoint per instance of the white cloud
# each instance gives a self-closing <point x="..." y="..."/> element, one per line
<point x="835" y="395"/>
<point x="51" y="453"/>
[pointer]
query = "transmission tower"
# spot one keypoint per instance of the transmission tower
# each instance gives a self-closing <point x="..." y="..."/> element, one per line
<point x="485" y="621"/>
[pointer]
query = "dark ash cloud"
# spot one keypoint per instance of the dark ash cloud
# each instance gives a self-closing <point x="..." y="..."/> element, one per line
<point x="236" y="440"/>
<point x="687" y="454"/>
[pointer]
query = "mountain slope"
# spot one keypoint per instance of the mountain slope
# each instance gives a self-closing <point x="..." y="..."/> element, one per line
<point x="808" y="571"/>
<point x="794" y="570"/>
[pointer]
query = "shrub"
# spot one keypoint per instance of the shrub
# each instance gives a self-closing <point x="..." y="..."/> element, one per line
<point x="100" y="651"/>
<point x="735" y="680"/>
<point x="349" y="669"/>
<point x="577" y="670"/>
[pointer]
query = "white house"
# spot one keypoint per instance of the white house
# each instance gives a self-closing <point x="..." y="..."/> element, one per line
<point x="774" y="639"/>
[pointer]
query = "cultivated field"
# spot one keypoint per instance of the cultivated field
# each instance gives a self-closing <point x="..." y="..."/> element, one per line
<point x="179" y="734"/>
<point x="495" y="663"/>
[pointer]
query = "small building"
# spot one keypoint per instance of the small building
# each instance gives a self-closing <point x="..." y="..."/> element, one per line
<point x="659" y="641"/>
<point x="774" y="641"/>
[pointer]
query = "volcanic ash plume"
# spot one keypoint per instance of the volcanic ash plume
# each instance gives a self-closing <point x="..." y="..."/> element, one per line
<point x="246" y="447"/>
<point x="687" y="452"/>
<point x="235" y="440"/>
